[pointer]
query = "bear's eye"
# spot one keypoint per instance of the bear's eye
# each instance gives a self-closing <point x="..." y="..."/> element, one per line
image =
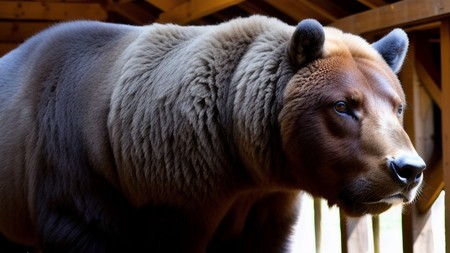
<point x="341" y="107"/>
<point x="400" y="110"/>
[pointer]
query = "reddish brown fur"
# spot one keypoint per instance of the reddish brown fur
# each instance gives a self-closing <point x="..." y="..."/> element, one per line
<point x="342" y="159"/>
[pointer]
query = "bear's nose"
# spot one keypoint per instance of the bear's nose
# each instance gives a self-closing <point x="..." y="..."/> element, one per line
<point x="408" y="169"/>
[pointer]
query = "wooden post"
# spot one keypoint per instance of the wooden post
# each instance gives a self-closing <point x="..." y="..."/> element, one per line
<point x="445" y="112"/>
<point x="356" y="234"/>
<point x="318" y="223"/>
<point x="376" y="233"/>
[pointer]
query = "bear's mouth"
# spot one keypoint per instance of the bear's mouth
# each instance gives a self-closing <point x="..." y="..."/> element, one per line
<point x="393" y="199"/>
<point x="353" y="206"/>
<point x="357" y="209"/>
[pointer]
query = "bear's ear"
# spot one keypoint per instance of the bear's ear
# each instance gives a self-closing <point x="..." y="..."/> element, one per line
<point x="393" y="48"/>
<point x="306" y="44"/>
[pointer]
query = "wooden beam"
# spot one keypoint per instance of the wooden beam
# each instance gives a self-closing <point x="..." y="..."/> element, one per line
<point x="445" y="112"/>
<point x="264" y="8"/>
<point x="423" y="27"/>
<point x="166" y="5"/>
<point x="320" y="10"/>
<point x="291" y="8"/>
<point x="373" y="3"/>
<point x="402" y="13"/>
<point x="194" y="9"/>
<point x="21" y="10"/>
<point x="16" y="32"/>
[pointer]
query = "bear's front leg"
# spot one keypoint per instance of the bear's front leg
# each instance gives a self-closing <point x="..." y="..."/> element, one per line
<point x="70" y="232"/>
<point x="269" y="223"/>
<point x="266" y="228"/>
<point x="85" y="216"/>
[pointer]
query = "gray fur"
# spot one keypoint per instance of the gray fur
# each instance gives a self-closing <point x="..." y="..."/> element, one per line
<point x="393" y="48"/>
<point x="307" y="42"/>
<point x="162" y="114"/>
<point x="202" y="106"/>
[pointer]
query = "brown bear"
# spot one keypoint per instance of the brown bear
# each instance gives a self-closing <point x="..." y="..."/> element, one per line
<point x="163" y="138"/>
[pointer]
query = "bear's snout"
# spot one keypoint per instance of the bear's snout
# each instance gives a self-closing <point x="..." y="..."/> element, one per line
<point x="408" y="169"/>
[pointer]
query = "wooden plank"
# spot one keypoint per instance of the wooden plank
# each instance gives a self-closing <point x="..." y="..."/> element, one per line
<point x="373" y="3"/>
<point x="194" y="9"/>
<point x="401" y="13"/>
<point x="356" y="234"/>
<point x="166" y="5"/>
<point x="21" y="10"/>
<point x="445" y="112"/>
<point x="20" y="31"/>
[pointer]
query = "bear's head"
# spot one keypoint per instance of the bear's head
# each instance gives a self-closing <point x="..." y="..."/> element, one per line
<point x="342" y="120"/>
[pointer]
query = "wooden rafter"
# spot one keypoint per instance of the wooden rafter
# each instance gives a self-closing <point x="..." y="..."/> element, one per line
<point x="373" y="3"/>
<point x="194" y="9"/>
<point x="21" y="10"/>
<point x="320" y="10"/>
<point x="289" y="7"/>
<point x="166" y="5"/>
<point x="401" y="13"/>
<point x="424" y="27"/>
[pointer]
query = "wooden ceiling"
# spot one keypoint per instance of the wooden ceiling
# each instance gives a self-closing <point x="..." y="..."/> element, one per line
<point x="21" y="19"/>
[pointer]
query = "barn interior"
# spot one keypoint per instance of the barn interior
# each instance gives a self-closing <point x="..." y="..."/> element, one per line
<point x="425" y="78"/>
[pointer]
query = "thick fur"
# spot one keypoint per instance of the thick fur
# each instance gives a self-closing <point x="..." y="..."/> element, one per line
<point x="189" y="139"/>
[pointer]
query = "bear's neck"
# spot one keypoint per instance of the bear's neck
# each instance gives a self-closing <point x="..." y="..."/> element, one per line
<point x="257" y="101"/>
<point x="184" y="131"/>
